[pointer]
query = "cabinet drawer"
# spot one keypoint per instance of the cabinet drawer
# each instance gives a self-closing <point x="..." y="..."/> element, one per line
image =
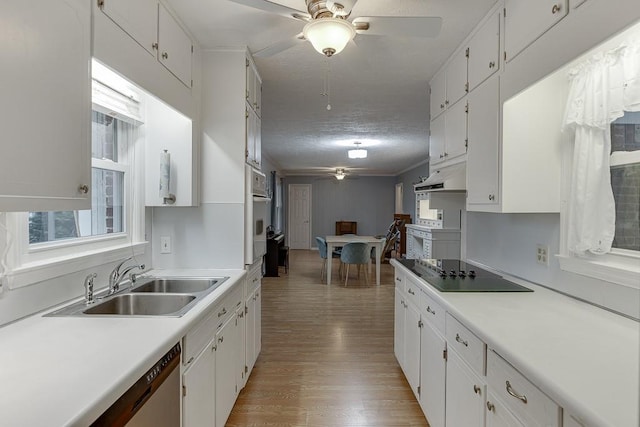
<point x="412" y="292"/>
<point x="399" y="281"/>
<point x="471" y="348"/>
<point x="531" y="406"/>
<point x="432" y="312"/>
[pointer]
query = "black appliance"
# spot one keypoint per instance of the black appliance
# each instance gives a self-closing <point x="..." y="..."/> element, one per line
<point x="453" y="275"/>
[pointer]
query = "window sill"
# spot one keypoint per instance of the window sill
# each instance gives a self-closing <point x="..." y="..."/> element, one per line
<point x="619" y="269"/>
<point x="38" y="271"/>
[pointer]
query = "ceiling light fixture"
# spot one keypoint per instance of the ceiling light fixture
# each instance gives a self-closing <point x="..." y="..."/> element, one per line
<point x="329" y="36"/>
<point x="357" y="153"/>
<point x="340" y="174"/>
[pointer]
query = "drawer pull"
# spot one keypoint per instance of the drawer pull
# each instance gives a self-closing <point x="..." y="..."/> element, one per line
<point x="411" y="291"/>
<point x="476" y="389"/>
<point x="464" y="343"/>
<point x="490" y="406"/>
<point x="512" y="392"/>
<point x="223" y="312"/>
<point x="429" y="310"/>
<point x="556" y="8"/>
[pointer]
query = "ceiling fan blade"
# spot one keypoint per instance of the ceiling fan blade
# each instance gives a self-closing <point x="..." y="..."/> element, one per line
<point x="280" y="46"/>
<point x="401" y="26"/>
<point x="276" y="8"/>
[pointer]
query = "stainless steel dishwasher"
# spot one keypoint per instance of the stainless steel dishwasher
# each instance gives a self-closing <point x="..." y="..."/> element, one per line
<point x="154" y="400"/>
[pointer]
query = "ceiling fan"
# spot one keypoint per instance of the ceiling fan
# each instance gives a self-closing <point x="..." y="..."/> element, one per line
<point x="329" y="25"/>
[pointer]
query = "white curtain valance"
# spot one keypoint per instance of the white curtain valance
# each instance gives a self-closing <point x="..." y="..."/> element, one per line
<point x="601" y="89"/>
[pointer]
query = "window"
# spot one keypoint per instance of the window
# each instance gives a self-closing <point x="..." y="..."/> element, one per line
<point x="625" y="180"/>
<point x="110" y="138"/>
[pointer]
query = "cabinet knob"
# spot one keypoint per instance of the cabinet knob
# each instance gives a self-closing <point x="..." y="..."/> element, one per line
<point x="492" y="197"/>
<point x="490" y="406"/>
<point x="492" y="64"/>
<point x="556" y="8"/>
<point x="84" y="189"/>
<point x="476" y="389"/>
<point x="446" y="102"/>
<point x="165" y="55"/>
<point x="441" y="105"/>
<point x="154" y="46"/>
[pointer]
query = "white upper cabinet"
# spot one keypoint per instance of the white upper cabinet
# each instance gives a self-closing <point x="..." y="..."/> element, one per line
<point x="456" y="78"/>
<point x="174" y="46"/>
<point x="526" y="20"/>
<point x="45" y="105"/>
<point x="137" y="18"/>
<point x="438" y="94"/>
<point x="155" y="29"/>
<point x="482" y="152"/>
<point x="254" y="88"/>
<point x="484" y="52"/>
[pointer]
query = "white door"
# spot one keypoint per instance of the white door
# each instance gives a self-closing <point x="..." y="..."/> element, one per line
<point x="299" y="228"/>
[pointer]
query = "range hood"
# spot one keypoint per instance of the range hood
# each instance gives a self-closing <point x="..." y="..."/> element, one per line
<point x="450" y="178"/>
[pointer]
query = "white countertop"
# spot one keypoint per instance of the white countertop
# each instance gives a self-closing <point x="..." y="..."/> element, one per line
<point x="59" y="371"/>
<point x="583" y="357"/>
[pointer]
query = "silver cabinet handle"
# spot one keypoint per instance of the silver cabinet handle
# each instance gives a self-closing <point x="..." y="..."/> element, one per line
<point x="490" y="406"/>
<point x="556" y="8"/>
<point x="477" y="389"/>
<point x="84" y="189"/>
<point x="460" y="340"/>
<point x="492" y="64"/>
<point x="221" y="339"/>
<point x="223" y="312"/>
<point x="429" y="310"/>
<point x="154" y="46"/>
<point x="411" y="291"/>
<point x="165" y="55"/>
<point x="513" y="393"/>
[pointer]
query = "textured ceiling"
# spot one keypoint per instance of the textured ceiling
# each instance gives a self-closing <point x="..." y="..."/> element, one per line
<point x="378" y="85"/>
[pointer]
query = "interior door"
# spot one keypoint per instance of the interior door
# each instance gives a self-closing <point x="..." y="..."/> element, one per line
<point x="299" y="229"/>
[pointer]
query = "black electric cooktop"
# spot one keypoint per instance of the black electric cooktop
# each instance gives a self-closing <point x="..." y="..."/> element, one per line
<point x="453" y="275"/>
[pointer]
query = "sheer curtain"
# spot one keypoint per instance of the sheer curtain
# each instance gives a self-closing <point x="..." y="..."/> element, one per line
<point x="601" y="89"/>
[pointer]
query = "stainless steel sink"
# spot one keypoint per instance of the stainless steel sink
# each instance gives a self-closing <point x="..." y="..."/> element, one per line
<point x="180" y="285"/>
<point x="150" y="296"/>
<point x="142" y="305"/>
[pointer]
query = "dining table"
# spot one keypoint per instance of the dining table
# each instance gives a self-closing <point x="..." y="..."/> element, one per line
<point x="372" y="241"/>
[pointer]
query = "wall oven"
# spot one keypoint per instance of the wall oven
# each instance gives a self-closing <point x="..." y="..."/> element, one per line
<point x="256" y="210"/>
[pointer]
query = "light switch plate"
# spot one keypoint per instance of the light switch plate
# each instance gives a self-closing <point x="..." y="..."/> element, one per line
<point x="165" y="244"/>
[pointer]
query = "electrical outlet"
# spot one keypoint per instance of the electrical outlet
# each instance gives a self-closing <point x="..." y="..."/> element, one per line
<point x="165" y="244"/>
<point x="542" y="254"/>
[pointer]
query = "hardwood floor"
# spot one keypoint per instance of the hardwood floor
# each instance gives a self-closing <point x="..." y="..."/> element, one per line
<point x="327" y="354"/>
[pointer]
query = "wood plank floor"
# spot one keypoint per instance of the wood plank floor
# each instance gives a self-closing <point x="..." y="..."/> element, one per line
<point x="327" y="354"/>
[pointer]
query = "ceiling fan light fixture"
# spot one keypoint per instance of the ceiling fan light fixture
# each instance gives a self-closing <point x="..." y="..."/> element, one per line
<point x="329" y="36"/>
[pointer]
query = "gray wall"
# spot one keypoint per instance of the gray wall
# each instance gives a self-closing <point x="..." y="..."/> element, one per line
<point x="369" y="200"/>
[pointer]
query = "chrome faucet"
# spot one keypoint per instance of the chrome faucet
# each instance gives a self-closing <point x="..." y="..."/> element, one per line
<point x="88" y="288"/>
<point x="117" y="276"/>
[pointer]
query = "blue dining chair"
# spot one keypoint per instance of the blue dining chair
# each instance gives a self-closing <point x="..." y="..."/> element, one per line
<point x="322" y="248"/>
<point x="355" y="253"/>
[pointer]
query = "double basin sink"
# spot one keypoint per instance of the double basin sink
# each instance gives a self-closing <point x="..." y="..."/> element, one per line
<point x="149" y="296"/>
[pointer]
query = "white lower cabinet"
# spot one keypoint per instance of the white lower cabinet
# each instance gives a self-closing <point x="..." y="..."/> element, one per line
<point x="465" y="401"/>
<point x="498" y="415"/>
<point x="253" y="322"/>
<point x="226" y="386"/>
<point x="398" y="326"/>
<point x="412" y="347"/>
<point x="198" y="385"/>
<point x="433" y="367"/>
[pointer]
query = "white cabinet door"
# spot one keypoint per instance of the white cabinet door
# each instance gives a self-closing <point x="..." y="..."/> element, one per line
<point x="398" y="328"/>
<point x="239" y="340"/>
<point x="437" y="140"/>
<point x="257" y="132"/>
<point x="527" y="20"/>
<point x="482" y="153"/>
<point x="456" y="78"/>
<point x="484" y="52"/>
<point x="412" y="347"/>
<point x="198" y="381"/>
<point x="174" y="46"/>
<point x="438" y="94"/>
<point x="45" y="105"/>
<point x="253" y="139"/>
<point x="226" y="388"/>
<point x="433" y="367"/>
<point x="456" y="131"/>
<point x="464" y="395"/>
<point x="137" y="18"/>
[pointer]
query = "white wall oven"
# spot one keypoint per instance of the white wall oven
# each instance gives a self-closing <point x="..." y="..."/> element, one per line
<point x="256" y="211"/>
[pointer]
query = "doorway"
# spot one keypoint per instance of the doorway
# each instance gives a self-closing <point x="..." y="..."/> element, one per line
<point x="299" y="216"/>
